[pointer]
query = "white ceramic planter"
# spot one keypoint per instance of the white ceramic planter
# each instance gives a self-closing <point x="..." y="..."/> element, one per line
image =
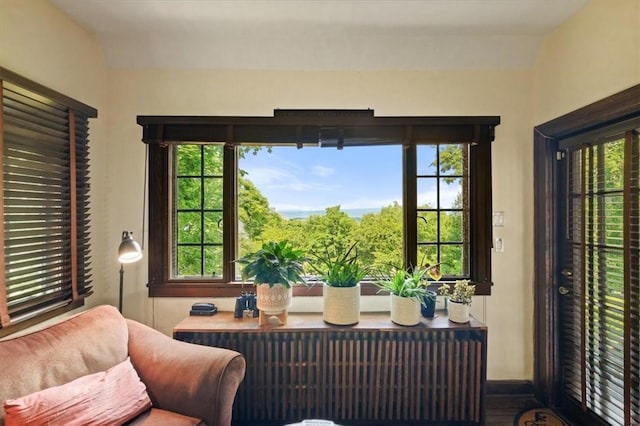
<point x="405" y="310"/>
<point x="273" y="300"/>
<point x="341" y="305"/>
<point x="458" y="312"/>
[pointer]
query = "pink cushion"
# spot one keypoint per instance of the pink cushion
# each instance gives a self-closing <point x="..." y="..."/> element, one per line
<point x="109" y="397"/>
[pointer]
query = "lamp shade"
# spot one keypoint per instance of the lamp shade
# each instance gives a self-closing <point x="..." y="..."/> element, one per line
<point x="129" y="250"/>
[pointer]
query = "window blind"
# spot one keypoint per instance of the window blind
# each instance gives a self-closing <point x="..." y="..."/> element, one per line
<point x="601" y="345"/>
<point x="45" y="204"/>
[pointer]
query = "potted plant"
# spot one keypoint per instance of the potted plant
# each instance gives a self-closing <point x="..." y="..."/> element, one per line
<point x="428" y="307"/>
<point x="341" y="275"/>
<point x="460" y="297"/>
<point x="275" y="268"/>
<point x="407" y="294"/>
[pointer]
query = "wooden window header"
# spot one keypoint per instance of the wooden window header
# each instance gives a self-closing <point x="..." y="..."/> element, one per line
<point x="318" y="127"/>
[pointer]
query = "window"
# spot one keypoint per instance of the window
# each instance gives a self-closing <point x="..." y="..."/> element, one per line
<point x="410" y="191"/>
<point x="45" y="205"/>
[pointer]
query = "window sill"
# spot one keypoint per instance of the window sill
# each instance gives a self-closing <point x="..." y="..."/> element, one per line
<point x="233" y="289"/>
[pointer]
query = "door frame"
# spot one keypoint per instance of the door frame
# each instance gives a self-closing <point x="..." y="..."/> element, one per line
<point x="619" y="107"/>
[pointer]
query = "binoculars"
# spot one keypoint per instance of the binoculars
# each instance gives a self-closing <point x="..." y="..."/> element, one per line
<point x="246" y="305"/>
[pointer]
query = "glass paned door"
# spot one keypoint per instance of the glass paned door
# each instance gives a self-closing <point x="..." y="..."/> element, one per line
<point x="598" y="279"/>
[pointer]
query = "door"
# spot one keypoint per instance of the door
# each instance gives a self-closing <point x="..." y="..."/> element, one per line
<point x="597" y="280"/>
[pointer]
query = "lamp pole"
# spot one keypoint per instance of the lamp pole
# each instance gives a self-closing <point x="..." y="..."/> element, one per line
<point x="128" y="252"/>
<point x="121" y="287"/>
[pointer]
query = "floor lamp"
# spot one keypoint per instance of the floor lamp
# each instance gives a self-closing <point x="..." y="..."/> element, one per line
<point x="128" y="252"/>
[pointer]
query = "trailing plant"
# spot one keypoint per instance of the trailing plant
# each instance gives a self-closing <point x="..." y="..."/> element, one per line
<point x="462" y="291"/>
<point x="275" y="263"/>
<point x="339" y="269"/>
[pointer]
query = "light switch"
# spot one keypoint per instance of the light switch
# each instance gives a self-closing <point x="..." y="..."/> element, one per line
<point x="498" y="218"/>
<point x="498" y="245"/>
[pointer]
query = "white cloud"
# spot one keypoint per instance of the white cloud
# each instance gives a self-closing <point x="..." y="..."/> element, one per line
<point x="448" y="195"/>
<point x="269" y="179"/>
<point x="322" y="171"/>
<point x="368" y="203"/>
<point x="266" y="176"/>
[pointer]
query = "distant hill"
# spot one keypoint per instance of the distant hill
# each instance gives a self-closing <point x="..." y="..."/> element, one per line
<point x="303" y="214"/>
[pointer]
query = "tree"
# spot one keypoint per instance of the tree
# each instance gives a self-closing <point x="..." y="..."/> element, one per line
<point x="380" y="237"/>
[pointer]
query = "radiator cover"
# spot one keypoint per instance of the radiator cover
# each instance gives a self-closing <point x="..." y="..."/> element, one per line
<point x="373" y="372"/>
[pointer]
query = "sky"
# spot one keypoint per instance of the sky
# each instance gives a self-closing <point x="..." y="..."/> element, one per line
<point x="315" y="178"/>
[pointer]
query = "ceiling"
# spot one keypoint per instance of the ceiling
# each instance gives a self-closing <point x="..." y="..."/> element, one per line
<point x="320" y="34"/>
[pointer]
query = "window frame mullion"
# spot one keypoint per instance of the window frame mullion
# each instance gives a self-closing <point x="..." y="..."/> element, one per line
<point x="410" y="203"/>
<point x="230" y="207"/>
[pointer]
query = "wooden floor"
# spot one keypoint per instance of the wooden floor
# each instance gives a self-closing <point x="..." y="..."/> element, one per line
<point x="503" y="409"/>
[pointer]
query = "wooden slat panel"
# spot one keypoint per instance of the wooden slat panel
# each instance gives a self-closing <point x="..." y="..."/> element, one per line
<point x="373" y="376"/>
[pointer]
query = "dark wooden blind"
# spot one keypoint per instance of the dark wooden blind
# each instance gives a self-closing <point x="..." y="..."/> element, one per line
<point x="601" y="345"/>
<point x="45" y="203"/>
<point x="632" y="291"/>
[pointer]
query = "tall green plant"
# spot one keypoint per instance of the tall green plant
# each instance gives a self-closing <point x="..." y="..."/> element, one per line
<point x="274" y="263"/>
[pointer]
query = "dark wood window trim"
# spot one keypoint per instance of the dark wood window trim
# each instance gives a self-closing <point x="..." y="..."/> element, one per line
<point x="299" y="127"/>
<point x="609" y="112"/>
<point x="35" y="123"/>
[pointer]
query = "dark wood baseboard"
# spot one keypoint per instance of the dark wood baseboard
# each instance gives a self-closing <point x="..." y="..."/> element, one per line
<point x="510" y="387"/>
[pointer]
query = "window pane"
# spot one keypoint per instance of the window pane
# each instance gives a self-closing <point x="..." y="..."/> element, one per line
<point x="323" y="197"/>
<point x="189" y="228"/>
<point x="213" y="155"/>
<point x="451" y="160"/>
<point x="188" y="195"/>
<point x="427" y="159"/>
<point x="189" y="261"/>
<point x="451" y="193"/>
<point x="188" y="160"/>
<point x="427" y="227"/>
<point x="213" y="261"/>
<point x="213" y="193"/>
<point x="428" y="255"/>
<point x="451" y="226"/>
<point x="213" y="227"/>
<point x="428" y="193"/>
<point x="452" y="259"/>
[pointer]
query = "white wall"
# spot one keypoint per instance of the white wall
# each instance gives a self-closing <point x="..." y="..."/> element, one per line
<point x="590" y="57"/>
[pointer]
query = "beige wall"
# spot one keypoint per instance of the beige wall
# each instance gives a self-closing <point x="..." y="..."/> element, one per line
<point x="508" y="312"/>
<point x="586" y="59"/>
<point x="594" y="55"/>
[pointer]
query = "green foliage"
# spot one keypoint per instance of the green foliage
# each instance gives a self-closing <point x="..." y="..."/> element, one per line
<point x="462" y="291"/>
<point x="379" y="236"/>
<point x="451" y="161"/>
<point x="339" y="268"/>
<point x="403" y="283"/>
<point x="253" y="210"/>
<point x="274" y="263"/>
